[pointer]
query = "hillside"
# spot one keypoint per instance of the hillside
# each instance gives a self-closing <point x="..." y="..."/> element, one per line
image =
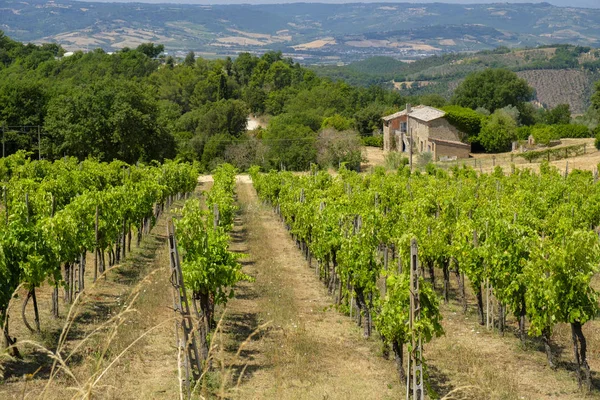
<point x="313" y="33"/>
<point x="559" y="74"/>
<point x="555" y="87"/>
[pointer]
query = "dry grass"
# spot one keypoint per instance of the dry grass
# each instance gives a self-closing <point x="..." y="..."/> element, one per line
<point x="487" y="162"/>
<point x="117" y="335"/>
<point x="309" y="350"/>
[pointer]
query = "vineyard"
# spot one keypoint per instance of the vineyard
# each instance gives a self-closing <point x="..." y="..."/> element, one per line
<point x="525" y="244"/>
<point x="403" y="256"/>
<point x="54" y="214"/>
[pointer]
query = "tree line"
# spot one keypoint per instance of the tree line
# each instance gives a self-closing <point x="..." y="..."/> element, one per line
<point x="140" y="105"/>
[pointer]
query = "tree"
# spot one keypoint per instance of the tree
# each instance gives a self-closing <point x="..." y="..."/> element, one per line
<point x="596" y="97"/>
<point x="225" y="116"/>
<point x="492" y="89"/>
<point x="498" y="132"/>
<point x="110" y="119"/>
<point x="561" y="114"/>
<point x="335" y="147"/>
<point x="368" y="119"/>
<point x="291" y="146"/>
<point x="150" y="49"/>
<point x="337" y="122"/>
<point x="190" y="59"/>
<point x="279" y="75"/>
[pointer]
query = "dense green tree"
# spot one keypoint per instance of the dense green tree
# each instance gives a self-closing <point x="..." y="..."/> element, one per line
<point x="368" y="119"/>
<point x="150" y="49"/>
<point x="290" y="146"/>
<point x="596" y="96"/>
<point x="110" y="119"/>
<point x="243" y="67"/>
<point x="190" y="59"/>
<point x="22" y="101"/>
<point x="492" y="89"/>
<point x="223" y="117"/>
<point x="336" y="122"/>
<point x="498" y="132"/>
<point x="561" y="114"/>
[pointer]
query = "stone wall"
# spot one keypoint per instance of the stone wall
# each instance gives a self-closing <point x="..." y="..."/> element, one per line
<point x="450" y="150"/>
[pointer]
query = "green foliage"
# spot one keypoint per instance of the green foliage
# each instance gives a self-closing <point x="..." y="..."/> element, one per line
<point x="368" y="119"/>
<point x="530" y="236"/>
<point x="561" y="114"/>
<point x="498" y="132"/>
<point x="571" y="131"/>
<point x="110" y="119"/>
<point x="554" y="154"/>
<point x="336" y="122"/>
<point x="208" y="266"/>
<point x="51" y="221"/>
<point x="395" y="160"/>
<point x="492" y="89"/>
<point x="373" y="141"/>
<point x="150" y="49"/>
<point x="544" y="134"/>
<point x="465" y="120"/>
<point x="393" y="319"/>
<point x="596" y="96"/>
<point x="291" y="147"/>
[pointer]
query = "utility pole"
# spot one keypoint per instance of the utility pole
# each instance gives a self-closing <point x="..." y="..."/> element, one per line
<point x="409" y="132"/>
<point x="3" y="139"/>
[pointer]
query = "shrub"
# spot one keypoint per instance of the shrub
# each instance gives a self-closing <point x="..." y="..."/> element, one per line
<point x="395" y="160"/>
<point x="543" y="134"/>
<point x="425" y="158"/>
<point x="373" y="141"/>
<point x="597" y="141"/>
<point x="523" y="132"/>
<point x="337" y="122"/>
<point x="572" y="131"/>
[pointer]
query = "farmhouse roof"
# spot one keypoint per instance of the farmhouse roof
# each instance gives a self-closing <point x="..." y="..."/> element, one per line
<point x="449" y="142"/>
<point x="422" y="113"/>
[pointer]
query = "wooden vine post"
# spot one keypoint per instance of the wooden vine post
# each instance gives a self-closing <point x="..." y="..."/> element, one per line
<point x="96" y="250"/>
<point x="216" y="216"/>
<point x="415" y="357"/>
<point x="184" y="334"/>
<point x="55" y="289"/>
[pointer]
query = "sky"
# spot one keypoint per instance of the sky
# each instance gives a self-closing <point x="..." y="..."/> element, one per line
<point x="561" y="3"/>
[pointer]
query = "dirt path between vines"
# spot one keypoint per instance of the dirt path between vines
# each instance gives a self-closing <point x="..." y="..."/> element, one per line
<point x="308" y="350"/>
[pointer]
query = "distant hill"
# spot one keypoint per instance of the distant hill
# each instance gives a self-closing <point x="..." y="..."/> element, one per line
<point x="559" y="74"/>
<point x="312" y="33"/>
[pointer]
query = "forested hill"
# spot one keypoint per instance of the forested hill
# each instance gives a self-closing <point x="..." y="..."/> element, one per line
<point x="312" y="32"/>
<point x="140" y="105"/>
<point x="132" y="106"/>
<point x="559" y="73"/>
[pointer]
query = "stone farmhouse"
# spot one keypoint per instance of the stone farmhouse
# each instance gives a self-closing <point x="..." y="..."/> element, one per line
<point x="431" y="132"/>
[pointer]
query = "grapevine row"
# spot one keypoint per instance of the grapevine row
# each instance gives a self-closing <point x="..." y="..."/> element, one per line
<point x="55" y="213"/>
<point x="209" y="269"/>
<point x="531" y="238"/>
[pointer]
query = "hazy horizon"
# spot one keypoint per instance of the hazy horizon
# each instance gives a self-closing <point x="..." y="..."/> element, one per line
<point x="559" y="3"/>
